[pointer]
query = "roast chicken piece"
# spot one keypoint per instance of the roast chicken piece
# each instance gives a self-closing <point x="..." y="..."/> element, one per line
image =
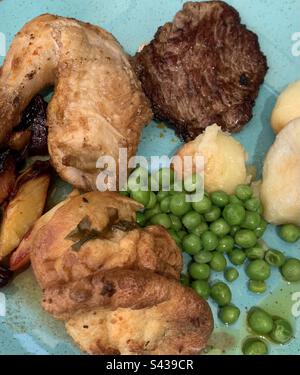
<point x="98" y="104"/>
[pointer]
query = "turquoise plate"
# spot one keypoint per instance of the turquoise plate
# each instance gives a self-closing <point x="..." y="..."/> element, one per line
<point x="25" y="328"/>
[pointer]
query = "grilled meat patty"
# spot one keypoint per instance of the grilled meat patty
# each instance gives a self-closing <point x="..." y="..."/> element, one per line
<point x="205" y="67"/>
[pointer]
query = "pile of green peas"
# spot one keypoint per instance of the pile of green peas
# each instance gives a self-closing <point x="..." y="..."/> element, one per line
<point x="273" y="328"/>
<point x="215" y="231"/>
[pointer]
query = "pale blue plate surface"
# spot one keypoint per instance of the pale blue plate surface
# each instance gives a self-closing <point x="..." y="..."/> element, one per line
<point x="26" y="329"/>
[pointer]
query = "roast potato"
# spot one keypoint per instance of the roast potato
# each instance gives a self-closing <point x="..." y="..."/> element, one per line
<point x="25" y="207"/>
<point x="280" y="189"/>
<point x="287" y="107"/>
<point x="7" y="175"/>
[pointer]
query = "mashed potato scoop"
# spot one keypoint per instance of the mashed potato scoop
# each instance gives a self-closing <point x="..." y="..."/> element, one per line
<point x="224" y="159"/>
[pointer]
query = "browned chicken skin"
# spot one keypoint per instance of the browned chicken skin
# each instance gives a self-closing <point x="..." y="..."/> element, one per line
<point x="98" y="105"/>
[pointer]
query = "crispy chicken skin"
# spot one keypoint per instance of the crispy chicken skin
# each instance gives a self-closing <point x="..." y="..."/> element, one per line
<point x="98" y="104"/>
<point x="55" y="262"/>
<point x="151" y="314"/>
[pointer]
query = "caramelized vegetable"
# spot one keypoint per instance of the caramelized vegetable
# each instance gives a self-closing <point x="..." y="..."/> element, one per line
<point x="7" y="175"/>
<point x="25" y="207"/>
<point x="19" y="140"/>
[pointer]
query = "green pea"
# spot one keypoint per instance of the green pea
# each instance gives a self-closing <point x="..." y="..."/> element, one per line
<point x="181" y="234"/>
<point x="178" y="204"/>
<point x="175" y="237"/>
<point x="260" y="321"/>
<point x="243" y="192"/>
<point x="245" y="238"/>
<point x="125" y="193"/>
<point x="164" y="178"/>
<point x="234" y="214"/>
<point x="184" y="279"/>
<point x="219" y="198"/>
<point x="175" y="222"/>
<point x="221" y="293"/>
<point x="229" y="314"/>
<point x="235" y="199"/>
<point x="261" y="228"/>
<point x="257" y="287"/>
<point x="209" y="241"/>
<point x="139" y="178"/>
<point x="255" y="252"/>
<point x="201" y="228"/>
<point x="203" y="206"/>
<point x="165" y="205"/>
<point x="251" y="220"/>
<point x="234" y="230"/>
<point x="253" y="204"/>
<point x="203" y="257"/>
<point x="161" y="195"/>
<point x="191" y="244"/>
<point x="192" y="182"/>
<point x="213" y="214"/>
<point x="218" y="262"/>
<point x="152" y="200"/>
<point x="258" y="270"/>
<point x="275" y="258"/>
<point x="255" y="346"/>
<point x="220" y="227"/>
<point x="282" y="331"/>
<point x="199" y="271"/>
<point x="225" y="244"/>
<point x="231" y="274"/>
<point x="161" y="219"/>
<point x="141" y="219"/>
<point x="289" y="233"/>
<point x="202" y="288"/>
<point x="153" y="211"/>
<point x="191" y="220"/>
<point x="291" y="270"/>
<point x="140" y="196"/>
<point x="237" y="256"/>
<point x="174" y="190"/>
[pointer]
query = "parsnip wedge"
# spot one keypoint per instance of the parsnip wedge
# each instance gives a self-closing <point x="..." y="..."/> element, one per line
<point x="21" y="257"/>
<point x="23" y="211"/>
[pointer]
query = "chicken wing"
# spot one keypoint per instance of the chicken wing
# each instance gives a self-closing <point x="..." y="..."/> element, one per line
<point x="98" y="104"/>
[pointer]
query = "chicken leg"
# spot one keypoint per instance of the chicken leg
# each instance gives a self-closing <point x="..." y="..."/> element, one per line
<point x="98" y="104"/>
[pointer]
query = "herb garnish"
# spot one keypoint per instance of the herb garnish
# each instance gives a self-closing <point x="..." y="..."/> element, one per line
<point x="84" y="231"/>
<point x="125" y="226"/>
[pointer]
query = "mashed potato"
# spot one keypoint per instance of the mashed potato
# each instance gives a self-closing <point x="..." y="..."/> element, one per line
<point x="224" y="159"/>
